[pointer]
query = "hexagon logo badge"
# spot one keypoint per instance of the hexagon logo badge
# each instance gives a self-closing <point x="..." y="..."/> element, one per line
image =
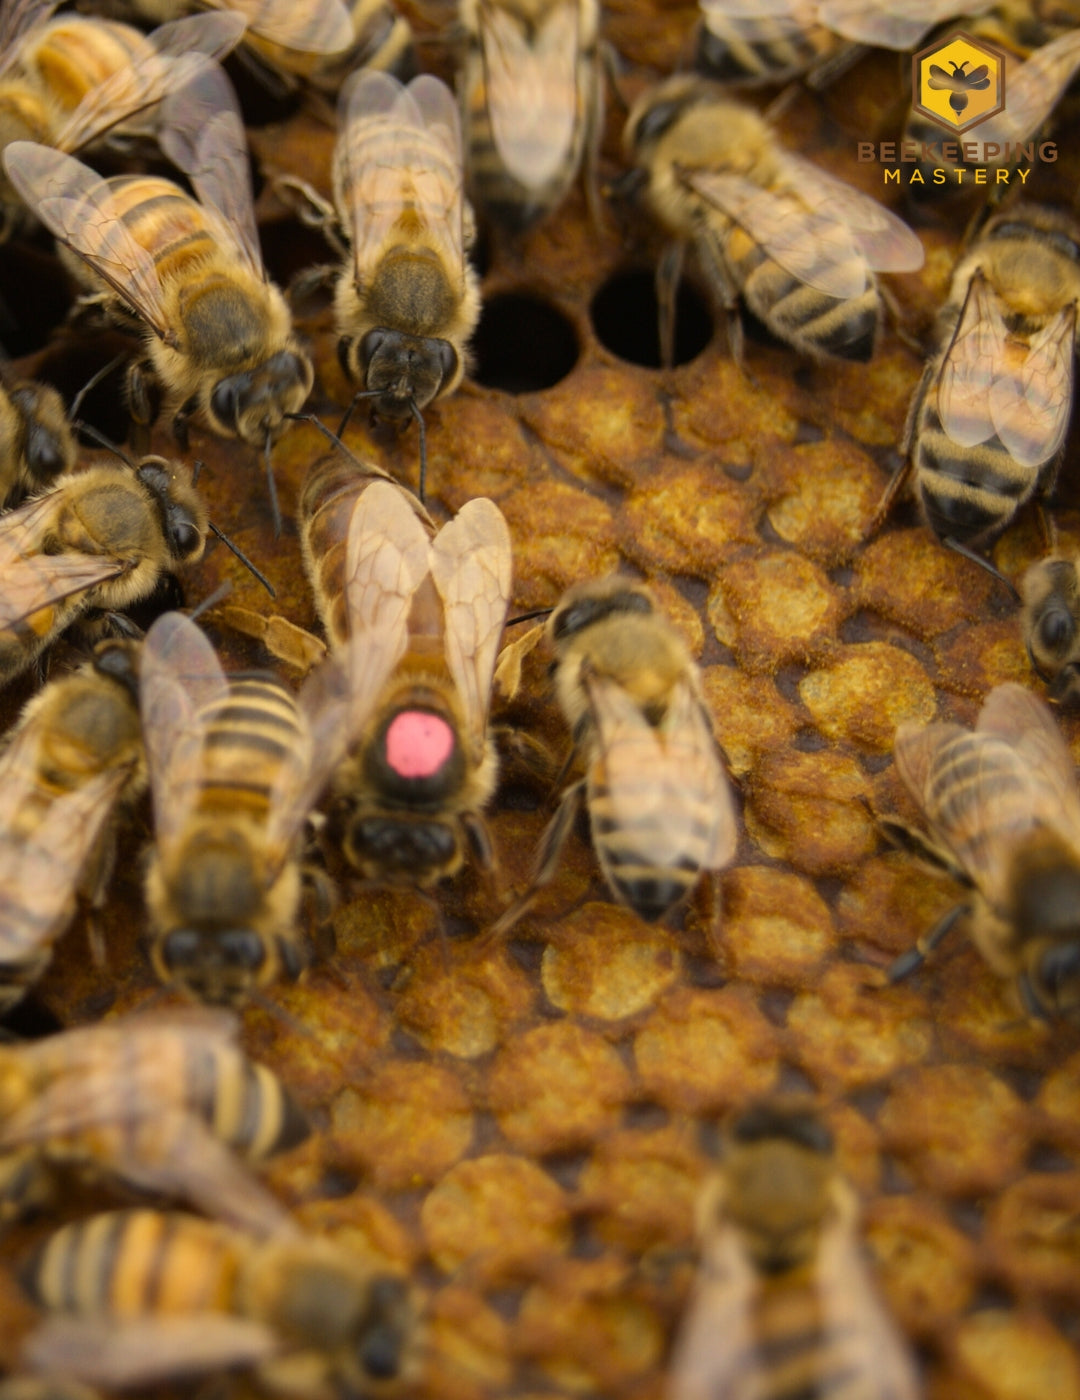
<point x="958" y="82"/>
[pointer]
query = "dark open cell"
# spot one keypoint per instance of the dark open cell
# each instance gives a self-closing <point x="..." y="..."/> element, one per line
<point x="35" y="296"/>
<point x="70" y="364"/>
<point x="625" y="317"/>
<point x="522" y="344"/>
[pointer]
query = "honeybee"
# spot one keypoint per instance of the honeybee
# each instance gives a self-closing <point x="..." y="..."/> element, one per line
<point x="217" y="334"/>
<point x="1050" y="592"/>
<point x="165" y="1102"/>
<point x="382" y="39"/>
<point x="659" y="801"/>
<point x="236" y="764"/>
<point x="1004" y="816"/>
<point x="316" y="27"/>
<point x="987" y="423"/>
<point x="97" y="541"/>
<point x="417" y="615"/>
<point x="74" y="754"/>
<point x="36" y="441"/>
<point x="532" y="104"/>
<point x="783" y="1303"/>
<point x="798" y="245"/>
<point x="69" y="81"/>
<point x="406" y="300"/>
<point x="140" y="1297"/>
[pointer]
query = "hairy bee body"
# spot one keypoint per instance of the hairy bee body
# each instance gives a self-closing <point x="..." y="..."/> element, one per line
<point x="382" y="40"/>
<point x="799" y="247"/>
<point x="166" y="1294"/>
<point x="987" y="424"/>
<point x="36" y="441"/>
<point x="783" y="1304"/>
<point x="1050" y="622"/>
<point x="523" y="154"/>
<point x="750" y="50"/>
<point x="161" y="1102"/>
<point x="74" y="753"/>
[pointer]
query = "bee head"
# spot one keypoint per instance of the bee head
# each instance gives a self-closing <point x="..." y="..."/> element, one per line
<point x="253" y="402"/>
<point x="183" y="515"/>
<point x="48" y="447"/>
<point x="401" y="372"/>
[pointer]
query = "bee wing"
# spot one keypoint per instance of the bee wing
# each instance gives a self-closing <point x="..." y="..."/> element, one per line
<point x="324" y="707"/>
<point x="863" y="1345"/>
<point x="884" y="240"/>
<point x="28" y="585"/>
<point x="665" y="782"/>
<point x="179" y="676"/>
<point x="973" y="364"/>
<point x="320" y="26"/>
<point x="715" y="1352"/>
<point x="76" y="206"/>
<point x="379" y="177"/>
<point x="203" y="133"/>
<point x="1034" y="89"/>
<point x="142" y="1351"/>
<point x="751" y="23"/>
<point x="1024" y="721"/>
<point x="471" y="563"/>
<point x="1031" y="406"/>
<point x="386" y="560"/>
<point x="890" y="24"/>
<point x="175" y="53"/>
<point x="18" y="20"/>
<point x="532" y="89"/>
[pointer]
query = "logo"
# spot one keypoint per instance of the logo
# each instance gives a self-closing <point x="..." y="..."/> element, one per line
<point x="958" y="82"/>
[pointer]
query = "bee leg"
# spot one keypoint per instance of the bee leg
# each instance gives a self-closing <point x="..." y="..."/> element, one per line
<point x="907" y="962"/>
<point x="323" y="901"/>
<point x="546" y="862"/>
<point x="958" y="547"/>
<point x="897" y="482"/>
<point x="892" y="307"/>
<point x="281" y="638"/>
<point x="144" y="400"/>
<point x="181" y="419"/>
<point x="914" y="843"/>
<point x="312" y="210"/>
<point x="668" y="276"/>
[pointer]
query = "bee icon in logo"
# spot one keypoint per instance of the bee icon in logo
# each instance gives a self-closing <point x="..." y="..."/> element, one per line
<point x="958" y="83"/>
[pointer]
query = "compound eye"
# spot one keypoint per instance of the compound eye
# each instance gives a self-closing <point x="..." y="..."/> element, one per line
<point x="225" y="402"/>
<point x="242" y="947"/>
<point x="448" y="361"/>
<point x="344" y="346"/>
<point x="180" y="948"/>
<point x="1056" y="629"/>
<point x="186" y="538"/>
<point x="369" y="347"/>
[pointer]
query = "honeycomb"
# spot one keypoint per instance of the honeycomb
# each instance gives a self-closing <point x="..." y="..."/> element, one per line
<point x="523" y="1124"/>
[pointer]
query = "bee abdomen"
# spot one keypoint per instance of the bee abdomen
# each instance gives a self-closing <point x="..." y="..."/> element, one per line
<point x="250" y="1109"/>
<point x="809" y="319"/>
<point x="729" y="56"/>
<point x="968" y="491"/>
<point x="255" y="723"/>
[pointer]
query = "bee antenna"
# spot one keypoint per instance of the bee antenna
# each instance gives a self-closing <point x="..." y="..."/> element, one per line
<point x="423" y="449"/>
<point x="92" y="383"/>
<point x="275" y="509"/>
<point x="529" y="616"/>
<point x="958" y="547"/>
<point x="223" y="537"/>
<point x="360" y="394"/>
<point x="94" y="435"/>
<point x="327" y="433"/>
<point x="222" y="591"/>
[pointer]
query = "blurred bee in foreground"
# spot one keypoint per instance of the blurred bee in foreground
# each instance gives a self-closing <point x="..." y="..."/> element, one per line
<point x="986" y="429"/>
<point x="1004" y="816"/>
<point x="141" y="1298"/>
<point x="418" y="616"/>
<point x="406" y="300"/>
<point x="165" y="1102"/>
<point x="36" y="441"/>
<point x="236" y="765"/>
<point x="316" y="27"/>
<point x="74" y="753"/>
<point x="784" y="1304"/>
<point x="98" y="541"/>
<point x="532" y="104"/>
<point x="1050" y="622"/>
<point x="799" y="246"/>
<point x="382" y="39"/>
<point x="218" y="336"/>
<point x="742" y="43"/>
<point x="70" y="81"/>
<point x="659" y="801"/>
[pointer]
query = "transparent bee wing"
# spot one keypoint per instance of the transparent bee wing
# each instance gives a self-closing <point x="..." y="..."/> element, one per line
<point x="1020" y="718"/>
<point x="28" y="585"/>
<point x="532" y="90"/>
<point x="174" y="54"/>
<point x="386" y="560"/>
<point x="891" y="24"/>
<point x="202" y="132"/>
<point x="76" y="206"/>
<point x="1033" y="90"/>
<point x="715" y="1350"/>
<point x="885" y="241"/>
<point x="323" y="707"/>
<point x="1031" y="406"/>
<point x="472" y="563"/>
<point x="774" y="19"/>
<point x="399" y="148"/>
<point x="319" y="26"/>
<point x="179" y="676"/>
<point x="18" y="21"/>
<point x="144" y="1351"/>
<point x="973" y="362"/>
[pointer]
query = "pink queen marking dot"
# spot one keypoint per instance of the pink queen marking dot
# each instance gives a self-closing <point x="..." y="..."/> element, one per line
<point x="418" y="744"/>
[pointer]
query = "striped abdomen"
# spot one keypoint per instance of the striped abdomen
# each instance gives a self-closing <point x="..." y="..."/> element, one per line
<point x="136" y="1263"/>
<point x="756" y="51"/>
<point x="75" y="54"/>
<point x="330" y="492"/>
<point x="977" y="784"/>
<point x="249" y="736"/>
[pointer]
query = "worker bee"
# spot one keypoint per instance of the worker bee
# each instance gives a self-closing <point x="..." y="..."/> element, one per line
<point x="141" y="1297"/>
<point x="36" y="441"/>
<point x="382" y="39"/>
<point x="236" y="764"/>
<point x="96" y="542"/>
<point x="659" y="801"/>
<point x="406" y="300"/>
<point x="783" y="1303"/>
<point x="1050" y="592"/>
<point x="75" y="752"/>
<point x="218" y="335"/>
<point x="800" y="246"/>
<point x="987" y="424"/>
<point x="524" y="152"/>
<point x="317" y="27"/>
<point x="1004" y="816"/>
<point x="417" y="616"/>
<point x="69" y="81"/>
<point x="166" y="1102"/>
